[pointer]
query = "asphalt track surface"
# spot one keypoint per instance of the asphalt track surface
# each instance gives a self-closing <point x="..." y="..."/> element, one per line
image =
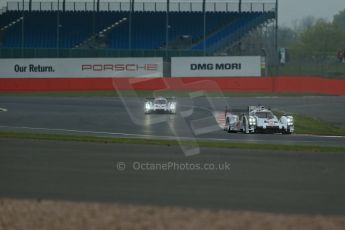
<point x="124" y="117"/>
<point x="279" y="182"/>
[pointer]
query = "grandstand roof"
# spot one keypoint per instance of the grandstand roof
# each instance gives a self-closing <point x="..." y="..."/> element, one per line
<point x="146" y="5"/>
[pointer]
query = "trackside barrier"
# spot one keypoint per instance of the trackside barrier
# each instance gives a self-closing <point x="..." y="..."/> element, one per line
<point x="247" y="84"/>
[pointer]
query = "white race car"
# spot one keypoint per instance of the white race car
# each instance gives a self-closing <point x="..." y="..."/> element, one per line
<point x="258" y="119"/>
<point x="160" y="105"/>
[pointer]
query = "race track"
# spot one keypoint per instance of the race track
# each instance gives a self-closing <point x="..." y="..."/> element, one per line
<point x="269" y="181"/>
<point x="266" y="181"/>
<point x="195" y="118"/>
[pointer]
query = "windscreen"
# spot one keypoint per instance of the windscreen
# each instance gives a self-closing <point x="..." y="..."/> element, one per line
<point x="160" y="101"/>
<point x="268" y="115"/>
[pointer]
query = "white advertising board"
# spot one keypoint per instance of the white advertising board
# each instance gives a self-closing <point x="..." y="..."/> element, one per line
<point x="81" y="67"/>
<point x="242" y="66"/>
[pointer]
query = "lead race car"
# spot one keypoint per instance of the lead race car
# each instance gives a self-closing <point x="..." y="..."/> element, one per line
<point x="258" y="119"/>
<point x="160" y="105"/>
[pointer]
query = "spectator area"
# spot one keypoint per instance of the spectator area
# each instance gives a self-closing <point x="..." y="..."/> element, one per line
<point x="110" y="29"/>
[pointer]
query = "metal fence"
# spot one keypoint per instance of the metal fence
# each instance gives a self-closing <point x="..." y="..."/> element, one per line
<point x="329" y="67"/>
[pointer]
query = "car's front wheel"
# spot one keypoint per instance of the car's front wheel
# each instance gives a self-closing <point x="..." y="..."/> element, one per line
<point x="287" y="131"/>
<point x="245" y="127"/>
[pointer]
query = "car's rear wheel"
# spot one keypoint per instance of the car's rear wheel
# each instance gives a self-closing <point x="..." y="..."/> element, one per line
<point x="245" y="127"/>
<point x="227" y="125"/>
<point x="286" y="131"/>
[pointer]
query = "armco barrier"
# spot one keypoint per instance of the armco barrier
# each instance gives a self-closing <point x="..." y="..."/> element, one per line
<point x="245" y="84"/>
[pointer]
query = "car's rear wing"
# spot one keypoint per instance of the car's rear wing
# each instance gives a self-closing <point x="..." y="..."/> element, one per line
<point x="149" y="98"/>
<point x="169" y="99"/>
<point x="234" y="110"/>
<point x="256" y="107"/>
<point x="287" y="114"/>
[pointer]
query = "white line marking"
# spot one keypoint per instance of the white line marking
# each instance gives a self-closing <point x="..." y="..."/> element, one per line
<point x="121" y="134"/>
<point x="312" y="135"/>
<point x="102" y="132"/>
<point x="74" y="131"/>
<point x="161" y="137"/>
<point x="3" y="110"/>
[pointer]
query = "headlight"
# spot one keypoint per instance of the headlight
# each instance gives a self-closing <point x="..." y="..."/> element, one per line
<point x="147" y="106"/>
<point x="173" y="106"/>
<point x="289" y="120"/>
<point x="252" y="120"/>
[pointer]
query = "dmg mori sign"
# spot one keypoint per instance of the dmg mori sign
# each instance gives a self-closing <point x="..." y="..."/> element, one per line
<point x="244" y="66"/>
<point x="80" y="67"/>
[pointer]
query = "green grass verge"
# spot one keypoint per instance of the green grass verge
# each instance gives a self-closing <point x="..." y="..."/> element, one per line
<point x="139" y="141"/>
<point x="309" y="125"/>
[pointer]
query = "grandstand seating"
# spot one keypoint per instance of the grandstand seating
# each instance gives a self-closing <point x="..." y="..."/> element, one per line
<point x="233" y="30"/>
<point x="148" y="28"/>
<point x="7" y="18"/>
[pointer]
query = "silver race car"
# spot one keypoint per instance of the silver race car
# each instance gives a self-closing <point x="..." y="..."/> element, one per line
<point x="160" y="105"/>
<point x="258" y="119"/>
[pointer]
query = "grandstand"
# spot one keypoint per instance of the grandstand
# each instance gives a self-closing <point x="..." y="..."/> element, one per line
<point x="195" y="26"/>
